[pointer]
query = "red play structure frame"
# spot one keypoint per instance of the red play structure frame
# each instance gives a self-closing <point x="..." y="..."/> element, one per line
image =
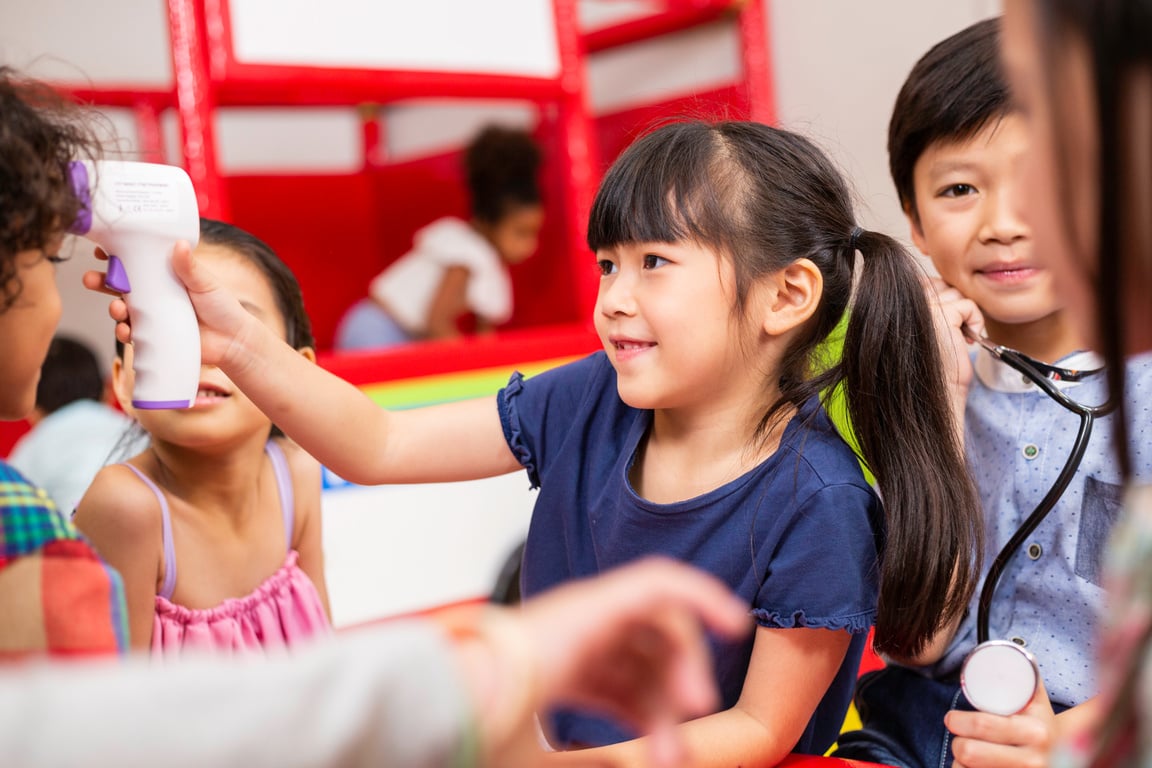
<point x="316" y="221"/>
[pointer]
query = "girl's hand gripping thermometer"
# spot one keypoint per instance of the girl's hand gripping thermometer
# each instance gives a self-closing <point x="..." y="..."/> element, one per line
<point x="136" y="212"/>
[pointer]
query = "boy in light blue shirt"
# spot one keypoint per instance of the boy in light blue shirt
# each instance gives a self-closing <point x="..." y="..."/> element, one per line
<point x="955" y="152"/>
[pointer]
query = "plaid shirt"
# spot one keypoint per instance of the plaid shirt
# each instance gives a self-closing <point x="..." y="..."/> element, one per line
<point x="56" y="595"/>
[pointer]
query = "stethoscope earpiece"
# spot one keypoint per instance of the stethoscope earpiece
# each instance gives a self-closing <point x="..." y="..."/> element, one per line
<point x="999" y="677"/>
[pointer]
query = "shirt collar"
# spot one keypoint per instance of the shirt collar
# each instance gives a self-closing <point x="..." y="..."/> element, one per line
<point x="1000" y="377"/>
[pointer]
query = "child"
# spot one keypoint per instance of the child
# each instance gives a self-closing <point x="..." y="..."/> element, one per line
<point x="727" y="253"/>
<point x="455" y="266"/>
<point x="74" y="432"/>
<point x="956" y="146"/>
<point x="404" y="695"/>
<point x="56" y="596"/>
<point x="200" y="522"/>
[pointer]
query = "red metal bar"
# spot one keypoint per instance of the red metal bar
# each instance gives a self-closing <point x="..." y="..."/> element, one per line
<point x="578" y="135"/>
<point x="757" y="61"/>
<point x="196" y="105"/>
<point x="282" y="85"/>
<point x="148" y="135"/>
<point x="371" y="133"/>
<point x="119" y="95"/>
<point x="217" y="38"/>
<point x="678" y="17"/>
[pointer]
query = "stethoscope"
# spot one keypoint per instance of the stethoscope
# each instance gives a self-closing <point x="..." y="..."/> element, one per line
<point x="999" y="676"/>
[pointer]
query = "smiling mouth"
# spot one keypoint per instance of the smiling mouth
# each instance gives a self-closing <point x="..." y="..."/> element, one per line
<point x="627" y="345"/>
<point x="1009" y="274"/>
<point x="1018" y="269"/>
<point x="207" y="394"/>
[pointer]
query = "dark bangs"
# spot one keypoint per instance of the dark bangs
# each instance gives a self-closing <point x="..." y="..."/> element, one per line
<point x="666" y="188"/>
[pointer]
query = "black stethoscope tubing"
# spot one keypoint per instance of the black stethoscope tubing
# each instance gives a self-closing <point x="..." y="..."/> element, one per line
<point x="1032" y="370"/>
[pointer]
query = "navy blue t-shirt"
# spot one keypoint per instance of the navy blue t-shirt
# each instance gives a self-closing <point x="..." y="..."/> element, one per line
<point x="797" y="536"/>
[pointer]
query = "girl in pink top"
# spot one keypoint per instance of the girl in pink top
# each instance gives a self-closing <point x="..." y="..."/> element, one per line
<point x="219" y="492"/>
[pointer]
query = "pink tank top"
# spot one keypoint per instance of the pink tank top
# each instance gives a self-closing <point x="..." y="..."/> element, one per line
<point x="282" y="611"/>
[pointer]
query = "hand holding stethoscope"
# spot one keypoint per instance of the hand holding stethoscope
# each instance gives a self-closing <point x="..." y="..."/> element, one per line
<point x="999" y="676"/>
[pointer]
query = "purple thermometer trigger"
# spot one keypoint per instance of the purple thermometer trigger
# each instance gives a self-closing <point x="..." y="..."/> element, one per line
<point x="117" y="276"/>
<point x="78" y="175"/>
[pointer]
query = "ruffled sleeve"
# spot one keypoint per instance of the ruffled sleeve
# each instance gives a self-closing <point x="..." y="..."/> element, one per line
<point x="507" y="402"/>
<point x="824" y="572"/>
<point x="537" y="414"/>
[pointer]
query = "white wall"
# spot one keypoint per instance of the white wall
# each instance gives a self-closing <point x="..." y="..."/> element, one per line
<point x="838" y="66"/>
<point x="397" y="549"/>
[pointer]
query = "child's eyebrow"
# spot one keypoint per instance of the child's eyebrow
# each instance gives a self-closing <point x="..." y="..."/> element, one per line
<point x="951" y="166"/>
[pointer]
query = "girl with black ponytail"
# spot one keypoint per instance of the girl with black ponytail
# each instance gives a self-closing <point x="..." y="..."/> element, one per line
<point x="727" y="253"/>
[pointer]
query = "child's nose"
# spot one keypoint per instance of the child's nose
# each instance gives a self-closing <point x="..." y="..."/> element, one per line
<point x="1003" y="220"/>
<point x="617" y="295"/>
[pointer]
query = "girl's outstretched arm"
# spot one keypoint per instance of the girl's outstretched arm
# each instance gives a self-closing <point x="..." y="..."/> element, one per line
<point x="327" y="416"/>
<point x="789" y="673"/>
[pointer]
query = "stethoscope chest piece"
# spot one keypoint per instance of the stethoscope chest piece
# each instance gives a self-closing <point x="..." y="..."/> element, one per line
<point x="999" y="677"/>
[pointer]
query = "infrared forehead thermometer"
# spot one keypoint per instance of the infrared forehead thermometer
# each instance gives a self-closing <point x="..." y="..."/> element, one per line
<point x="136" y="212"/>
<point x="999" y="677"/>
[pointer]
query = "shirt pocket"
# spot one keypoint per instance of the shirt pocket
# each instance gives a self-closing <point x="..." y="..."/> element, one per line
<point x="1098" y="515"/>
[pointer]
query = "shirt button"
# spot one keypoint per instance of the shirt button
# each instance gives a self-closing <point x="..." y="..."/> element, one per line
<point x="1035" y="550"/>
<point x="1019" y="641"/>
<point x="1030" y="451"/>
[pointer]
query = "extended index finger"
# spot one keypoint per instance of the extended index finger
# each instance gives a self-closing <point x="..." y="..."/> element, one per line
<point x="94" y="280"/>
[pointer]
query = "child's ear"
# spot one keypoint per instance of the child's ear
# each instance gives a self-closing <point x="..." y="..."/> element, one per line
<point x="309" y="353"/>
<point x="791" y="297"/>
<point x="914" y="229"/>
<point x="122" y="383"/>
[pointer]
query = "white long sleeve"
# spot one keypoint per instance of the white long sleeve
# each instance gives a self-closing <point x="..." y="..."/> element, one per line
<point x="388" y="696"/>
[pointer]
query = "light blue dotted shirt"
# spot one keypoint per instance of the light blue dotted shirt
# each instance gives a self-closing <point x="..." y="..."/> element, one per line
<point x="1049" y="598"/>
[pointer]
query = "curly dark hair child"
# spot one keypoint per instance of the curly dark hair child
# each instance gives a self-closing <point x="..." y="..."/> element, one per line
<point x="501" y="166"/>
<point x="40" y="133"/>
